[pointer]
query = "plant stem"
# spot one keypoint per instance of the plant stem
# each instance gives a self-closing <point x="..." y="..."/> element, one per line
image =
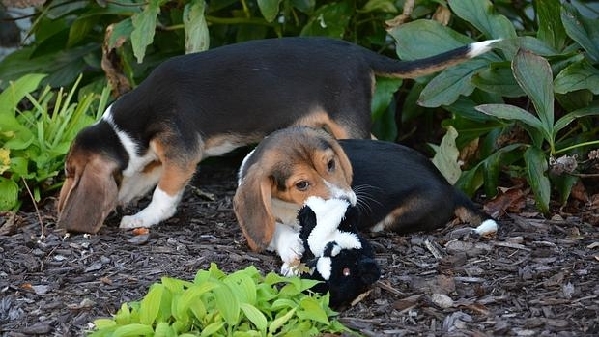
<point x="594" y="142"/>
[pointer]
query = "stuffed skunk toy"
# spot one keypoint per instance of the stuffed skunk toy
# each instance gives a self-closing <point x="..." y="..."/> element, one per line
<point x="334" y="252"/>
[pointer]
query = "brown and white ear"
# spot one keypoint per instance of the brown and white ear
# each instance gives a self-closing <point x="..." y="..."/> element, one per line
<point x="346" y="166"/>
<point x="253" y="208"/>
<point x="88" y="197"/>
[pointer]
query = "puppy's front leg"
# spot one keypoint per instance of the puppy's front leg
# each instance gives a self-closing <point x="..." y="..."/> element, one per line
<point x="162" y="207"/>
<point x="286" y="242"/>
<point x="177" y="170"/>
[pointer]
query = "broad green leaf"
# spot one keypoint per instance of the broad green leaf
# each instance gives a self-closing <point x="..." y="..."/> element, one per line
<point x="227" y="304"/>
<point x="17" y="90"/>
<point x="581" y="29"/>
<point x="150" y="304"/>
<point x="80" y="28"/>
<point x="133" y="329"/>
<point x="578" y="76"/>
<point x="384" y="6"/>
<point x="279" y="321"/>
<point x="103" y="323"/>
<point x="281" y="303"/>
<point x="424" y="38"/>
<point x="511" y="113"/>
<point x="197" y="37"/>
<point x="311" y="310"/>
<point x="533" y="74"/>
<point x="563" y="184"/>
<point x="164" y="330"/>
<point x="255" y="316"/>
<point x="498" y="79"/>
<point x="9" y="194"/>
<point x="480" y="14"/>
<point x="211" y="329"/>
<point x="536" y="168"/>
<point x="269" y="8"/>
<point x="446" y="156"/>
<point x="532" y="44"/>
<point x="304" y="6"/>
<point x="243" y="286"/>
<point x="329" y="20"/>
<point x="193" y="293"/>
<point x="120" y="32"/>
<point x="551" y="29"/>
<point x="591" y="110"/>
<point x="144" y="29"/>
<point x="383" y="94"/>
<point x="447" y="87"/>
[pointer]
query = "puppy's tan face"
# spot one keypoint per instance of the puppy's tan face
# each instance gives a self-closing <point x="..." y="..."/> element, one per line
<point x="318" y="172"/>
<point x="289" y="166"/>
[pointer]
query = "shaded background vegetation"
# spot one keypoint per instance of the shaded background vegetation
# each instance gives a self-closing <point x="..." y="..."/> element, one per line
<point x="524" y="115"/>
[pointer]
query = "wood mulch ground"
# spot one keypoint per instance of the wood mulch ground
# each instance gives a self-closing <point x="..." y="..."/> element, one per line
<point x="537" y="277"/>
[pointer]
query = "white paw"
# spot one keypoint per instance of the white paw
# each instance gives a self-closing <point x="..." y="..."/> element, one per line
<point x="289" y="270"/>
<point x="133" y="221"/>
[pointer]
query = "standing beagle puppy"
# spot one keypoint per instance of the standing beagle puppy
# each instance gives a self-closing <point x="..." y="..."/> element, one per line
<point x="394" y="187"/>
<point x="209" y="103"/>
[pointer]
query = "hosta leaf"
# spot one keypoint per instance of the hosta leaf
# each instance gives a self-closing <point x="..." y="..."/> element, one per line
<point x="269" y="8"/>
<point x="120" y="32"/>
<point x="551" y="29"/>
<point x="581" y="29"/>
<point x="577" y="76"/>
<point x="383" y="94"/>
<point x="498" y="79"/>
<point x="510" y="112"/>
<point x="133" y="329"/>
<point x="446" y="156"/>
<point x="447" y="87"/>
<point x="17" y="90"/>
<point x="255" y="316"/>
<point x="197" y="37"/>
<point x="227" y="304"/>
<point x="211" y="329"/>
<point x="144" y="29"/>
<point x="279" y="321"/>
<point x="533" y="74"/>
<point x="536" y="168"/>
<point x="329" y="20"/>
<point x="9" y="193"/>
<point x="312" y="310"/>
<point x="423" y="38"/>
<point x="480" y="14"/>
<point x="591" y="110"/>
<point x="190" y="295"/>
<point x="148" y="310"/>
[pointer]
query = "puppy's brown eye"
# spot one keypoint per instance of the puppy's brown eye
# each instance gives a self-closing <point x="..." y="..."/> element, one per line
<point x="331" y="165"/>
<point x="346" y="271"/>
<point x="302" y="185"/>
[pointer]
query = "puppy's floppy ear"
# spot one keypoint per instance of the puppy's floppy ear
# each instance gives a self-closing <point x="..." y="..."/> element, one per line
<point x="88" y="195"/>
<point x="253" y="207"/>
<point x="343" y="160"/>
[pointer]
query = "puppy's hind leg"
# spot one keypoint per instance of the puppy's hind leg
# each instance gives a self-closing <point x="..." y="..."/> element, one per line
<point x="178" y="168"/>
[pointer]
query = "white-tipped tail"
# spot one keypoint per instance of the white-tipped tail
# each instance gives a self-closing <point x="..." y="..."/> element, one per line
<point x="487" y="228"/>
<point x="477" y="48"/>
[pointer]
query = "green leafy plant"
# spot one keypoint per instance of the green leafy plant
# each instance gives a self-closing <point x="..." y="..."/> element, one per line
<point x="35" y="135"/>
<point x="514" y="88"/>
<point x="243" y="303"/>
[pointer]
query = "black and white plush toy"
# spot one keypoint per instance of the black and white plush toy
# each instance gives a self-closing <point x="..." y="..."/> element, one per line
<point x="334" y="251"/>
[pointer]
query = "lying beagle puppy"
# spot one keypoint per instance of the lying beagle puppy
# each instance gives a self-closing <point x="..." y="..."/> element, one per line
<point x="394" y="187"/>
<point x="209" y="103"/>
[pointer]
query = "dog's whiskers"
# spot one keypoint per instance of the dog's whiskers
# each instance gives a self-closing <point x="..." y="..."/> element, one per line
<point x="364" y="198"/>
